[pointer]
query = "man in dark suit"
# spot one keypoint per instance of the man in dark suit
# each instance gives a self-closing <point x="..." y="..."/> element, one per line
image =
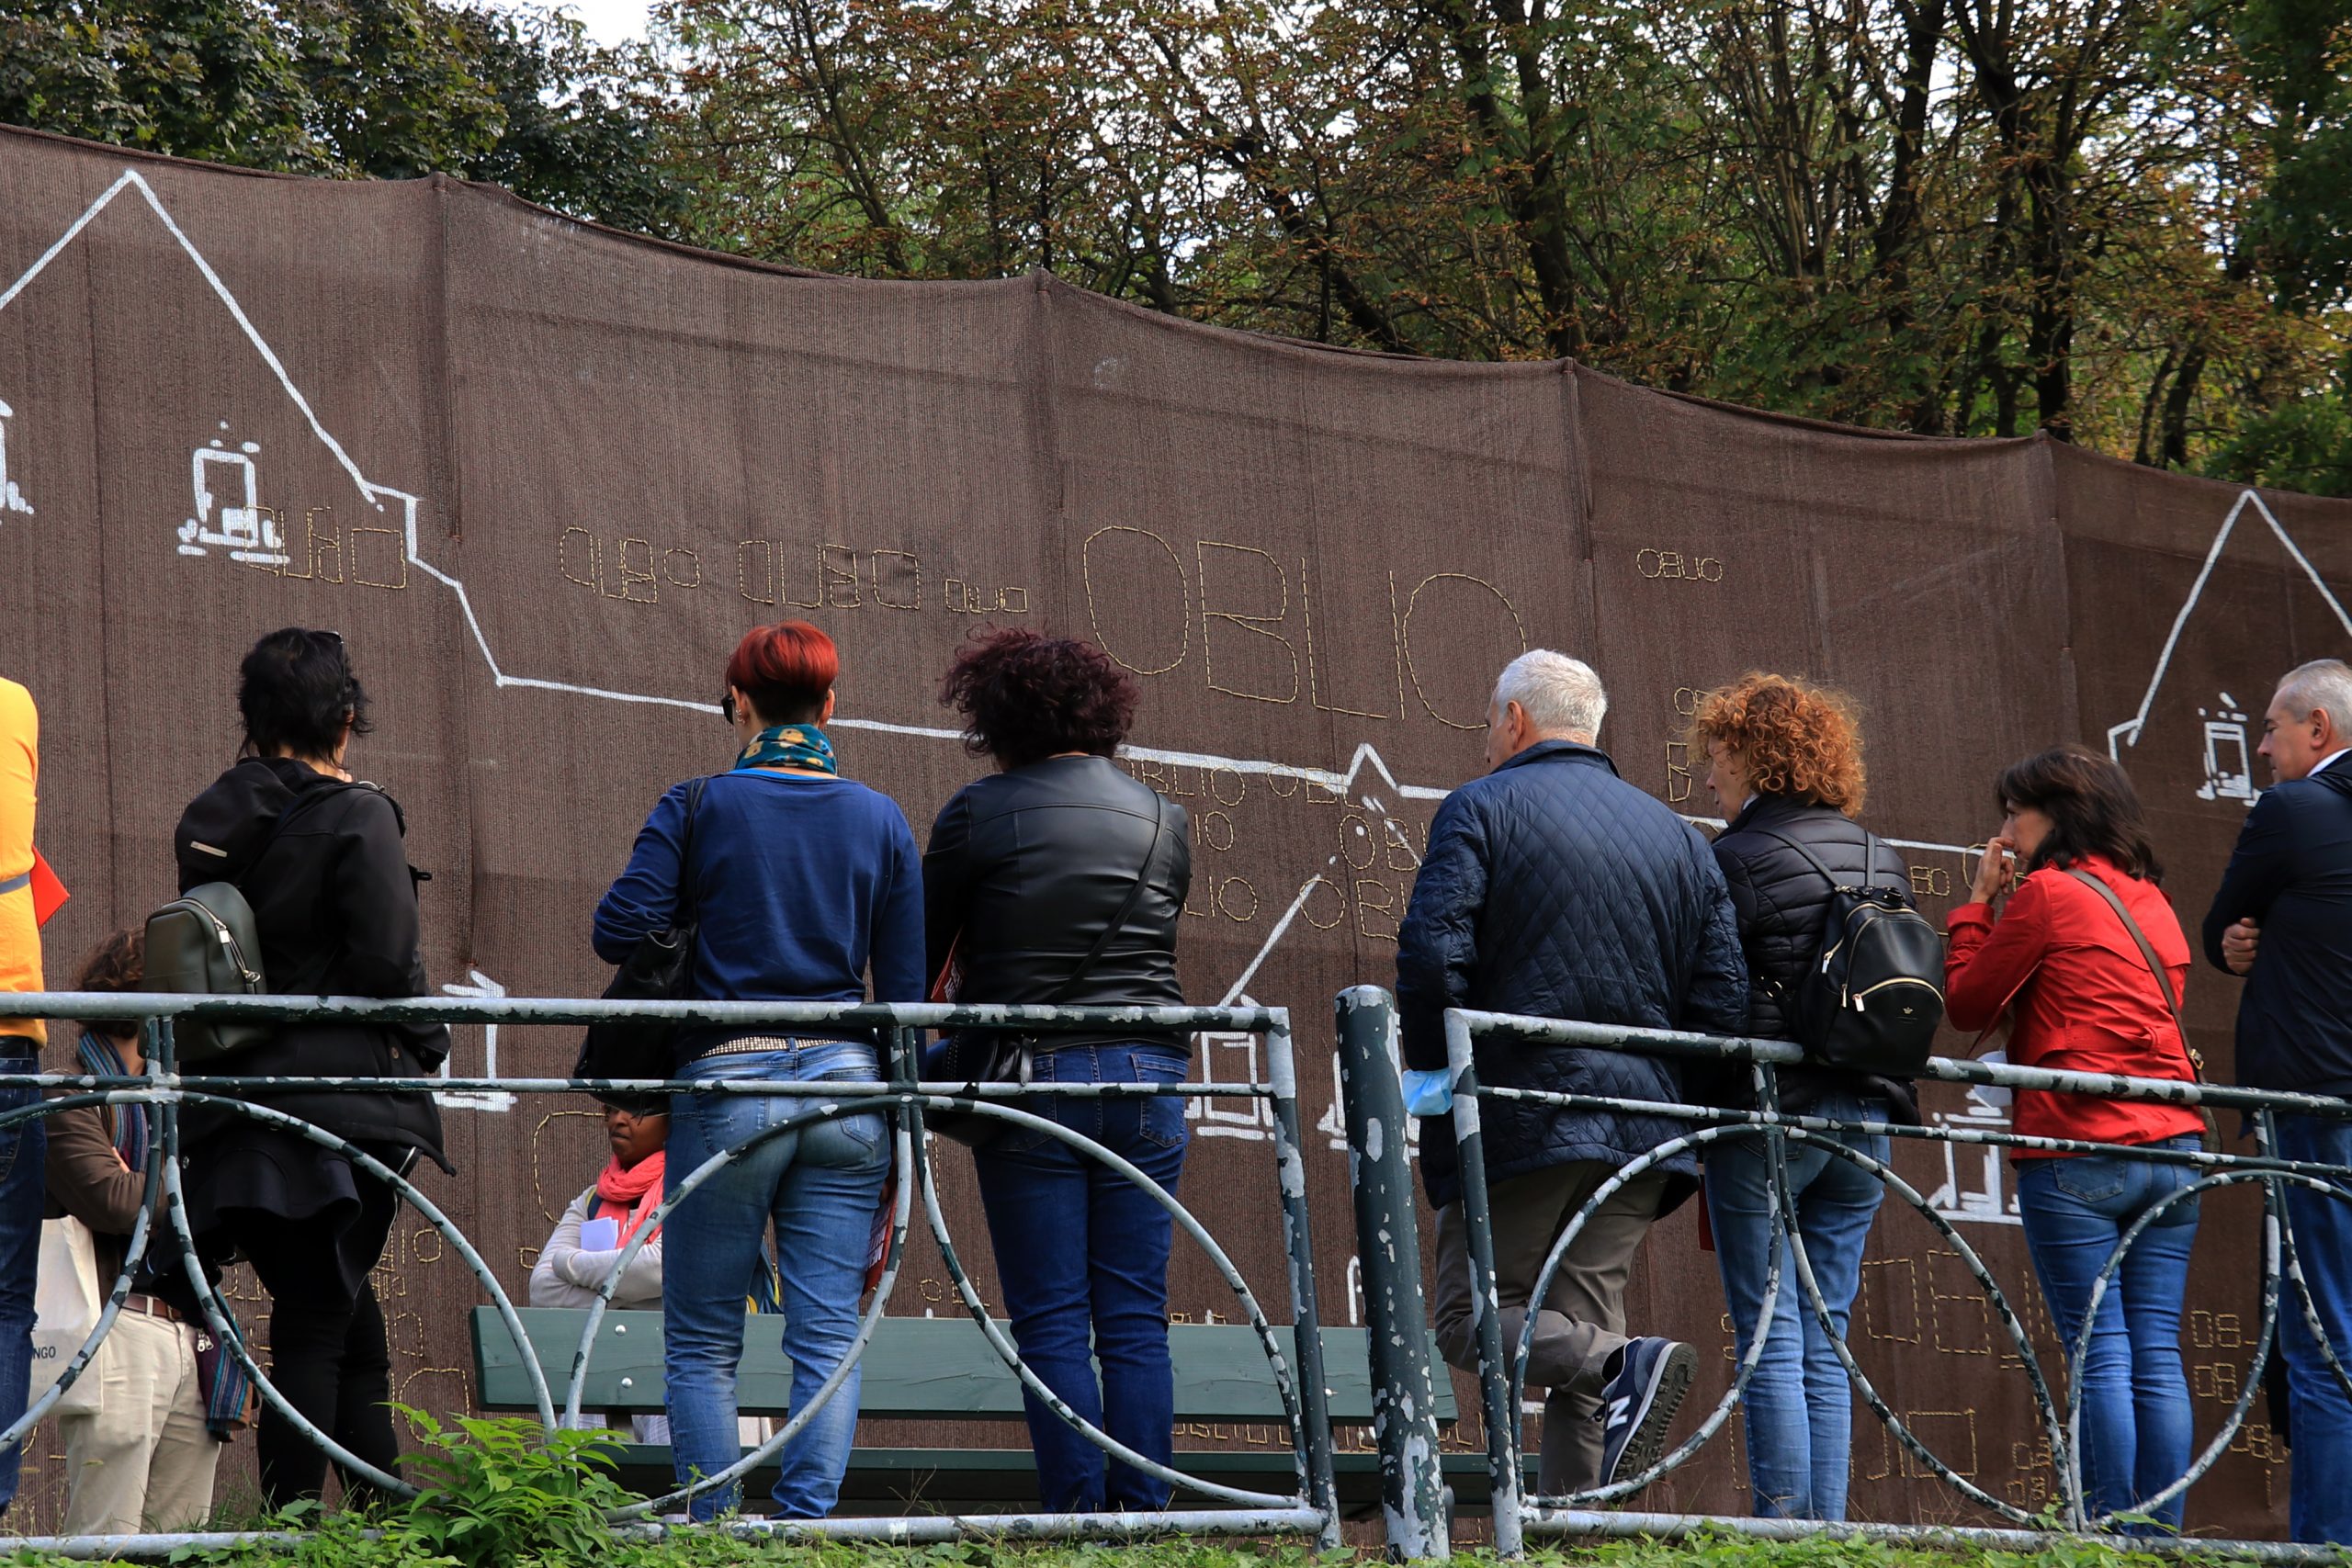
<point x="1553" y="888"/>
<point x="2283" y="920"/>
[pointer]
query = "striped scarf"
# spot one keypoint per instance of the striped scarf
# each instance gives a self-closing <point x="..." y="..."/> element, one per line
<point x="100" y="1059"/>
<point x="227" y="1390"/>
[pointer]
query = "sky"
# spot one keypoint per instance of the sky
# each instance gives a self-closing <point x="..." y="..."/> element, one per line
<point x="610" y="21"/>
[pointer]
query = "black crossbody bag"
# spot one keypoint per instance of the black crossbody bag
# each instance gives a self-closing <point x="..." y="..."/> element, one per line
<point x="659" y="968"/>
<point x="1003" y="1055"/>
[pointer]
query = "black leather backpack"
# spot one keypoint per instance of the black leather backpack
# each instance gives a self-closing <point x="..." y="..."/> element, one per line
<point x="1873" y="997"/>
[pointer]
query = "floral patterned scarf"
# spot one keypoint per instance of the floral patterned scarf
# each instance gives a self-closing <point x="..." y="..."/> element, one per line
<point x="789" y="746"/>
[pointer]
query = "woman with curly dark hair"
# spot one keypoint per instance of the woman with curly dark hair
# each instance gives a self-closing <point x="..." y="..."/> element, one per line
<point x="1060" y="880"/>
<point x="1785" y="764"/>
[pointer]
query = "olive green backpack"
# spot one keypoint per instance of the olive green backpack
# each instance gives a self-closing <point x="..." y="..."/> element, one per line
<point x="204" y="944"/>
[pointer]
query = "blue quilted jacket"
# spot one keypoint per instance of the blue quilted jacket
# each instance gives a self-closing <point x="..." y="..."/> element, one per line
<point x="1554" y="887"/>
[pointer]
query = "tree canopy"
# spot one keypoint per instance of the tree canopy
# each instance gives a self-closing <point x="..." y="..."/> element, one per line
<point x="384" y="89"/>
<point x="2127" y="222"/>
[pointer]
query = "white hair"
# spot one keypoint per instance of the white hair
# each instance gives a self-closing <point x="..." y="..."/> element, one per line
<point x="2324" y="685"/>
<point x="1559" y="696"/>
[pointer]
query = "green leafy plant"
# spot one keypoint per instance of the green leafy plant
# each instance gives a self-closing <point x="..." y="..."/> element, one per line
<point x="501" y="1491"/>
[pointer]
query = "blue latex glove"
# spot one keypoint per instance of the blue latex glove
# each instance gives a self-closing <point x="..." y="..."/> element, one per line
<point x="1429" y="1093"/>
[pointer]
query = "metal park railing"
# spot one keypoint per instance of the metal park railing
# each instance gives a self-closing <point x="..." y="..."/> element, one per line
<point x="1414" y="1502"/>
<point x="1312" y="1508"/>
<point x="1366" y="1022"/>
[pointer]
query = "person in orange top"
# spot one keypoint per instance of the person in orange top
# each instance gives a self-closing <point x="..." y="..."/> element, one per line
<point x="2068" y="968"/>
<point x="25" y="1147"/>
<point x="19" y="926"/>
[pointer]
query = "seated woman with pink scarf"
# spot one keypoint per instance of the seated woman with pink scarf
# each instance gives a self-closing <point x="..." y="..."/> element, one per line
<point x="587" y="1242"/>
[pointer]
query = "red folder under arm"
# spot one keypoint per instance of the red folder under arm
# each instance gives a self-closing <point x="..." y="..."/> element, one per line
<point x="49" y="894"/>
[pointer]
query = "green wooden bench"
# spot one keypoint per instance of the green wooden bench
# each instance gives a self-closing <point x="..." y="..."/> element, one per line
<point x="921" y="1369"/>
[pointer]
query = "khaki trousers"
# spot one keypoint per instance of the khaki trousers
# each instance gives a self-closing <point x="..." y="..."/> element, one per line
<point x="142" y="1462"/>
<point x="1581" y="1322"/>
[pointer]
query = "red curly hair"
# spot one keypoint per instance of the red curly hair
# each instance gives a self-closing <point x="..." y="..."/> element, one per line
<point x="1795" y="738"/>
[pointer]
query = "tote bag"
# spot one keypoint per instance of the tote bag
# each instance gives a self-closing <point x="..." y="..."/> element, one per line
<point x="65" y="1305"/>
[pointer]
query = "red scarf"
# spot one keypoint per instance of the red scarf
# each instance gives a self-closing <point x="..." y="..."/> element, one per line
<point x="628" y="1189"/>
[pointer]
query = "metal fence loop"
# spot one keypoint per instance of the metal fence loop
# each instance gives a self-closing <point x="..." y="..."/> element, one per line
<point x="1296" y="1369"/>
<point x="1502" y="1367"/>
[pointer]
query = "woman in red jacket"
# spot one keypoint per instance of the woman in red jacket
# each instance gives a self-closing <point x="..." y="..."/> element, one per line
<point x="2069" y="970"/>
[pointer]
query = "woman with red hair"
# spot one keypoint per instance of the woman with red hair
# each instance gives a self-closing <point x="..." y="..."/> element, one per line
<point x="800" y="880"/>
<point x="1784" y="763"/>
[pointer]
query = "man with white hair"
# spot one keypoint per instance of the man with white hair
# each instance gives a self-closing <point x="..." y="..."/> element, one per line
<point x="1554" y="888"/>
<point x="2283" y="920"/>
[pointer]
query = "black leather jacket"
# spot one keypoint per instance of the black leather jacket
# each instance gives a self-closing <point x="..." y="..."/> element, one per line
<point x="1780" y="900"/>
<point x="1025" y="869"/>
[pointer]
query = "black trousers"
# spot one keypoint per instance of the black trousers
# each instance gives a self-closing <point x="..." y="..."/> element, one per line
<point x="327" y="1353"/>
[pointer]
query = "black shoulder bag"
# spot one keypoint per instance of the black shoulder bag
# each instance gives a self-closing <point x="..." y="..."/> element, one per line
<point x="661" y="968"/>
<point x="1004" y="1055"/>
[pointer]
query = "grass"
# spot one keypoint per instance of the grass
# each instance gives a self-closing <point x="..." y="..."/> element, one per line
<point x="340" y="1542"/>
<point x="496" y="1495"/>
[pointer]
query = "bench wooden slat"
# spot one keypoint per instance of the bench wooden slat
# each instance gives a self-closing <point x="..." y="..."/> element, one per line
<point x="975" y="1479"/>
<point x="917" y="1367"/>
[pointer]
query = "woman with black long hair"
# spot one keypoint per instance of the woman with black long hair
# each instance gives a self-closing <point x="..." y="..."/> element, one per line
<point x="320" y="857"/>
<point x="2087" y="959"/>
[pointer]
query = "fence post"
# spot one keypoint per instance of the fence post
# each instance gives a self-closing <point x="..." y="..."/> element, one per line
<point x="1388" y="1245"/>
<point x="1503" y="1469"/>
<point x="1314" y="1432"/>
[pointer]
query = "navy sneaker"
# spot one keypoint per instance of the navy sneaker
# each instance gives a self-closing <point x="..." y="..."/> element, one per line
<point x="1638" y="1406"/>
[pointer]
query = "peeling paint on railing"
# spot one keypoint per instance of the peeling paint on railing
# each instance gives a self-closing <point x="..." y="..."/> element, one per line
<point x="1499" y="1371"/>
<point x="1313" y="1509"/>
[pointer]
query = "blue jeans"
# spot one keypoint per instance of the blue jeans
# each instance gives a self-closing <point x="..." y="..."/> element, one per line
<point x="23" y="1150"/>
<point x="2136" y="1418"/>
<point x="1800" y="1404"/>
<point x="819" y="1187"/>
<point x="2319" y="1505"/>
<point x="1081" y="1256"/>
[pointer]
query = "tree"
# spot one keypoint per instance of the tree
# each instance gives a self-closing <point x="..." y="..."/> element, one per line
<point x="2125" y="223"/>
<point x="378" y="88"/>
<point x="215" y="79"/>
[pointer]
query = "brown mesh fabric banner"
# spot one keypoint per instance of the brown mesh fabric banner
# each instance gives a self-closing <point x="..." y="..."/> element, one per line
<point x="541" y="477"/>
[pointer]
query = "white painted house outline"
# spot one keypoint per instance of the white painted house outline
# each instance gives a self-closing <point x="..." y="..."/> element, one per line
<point x="2128" y="732"/>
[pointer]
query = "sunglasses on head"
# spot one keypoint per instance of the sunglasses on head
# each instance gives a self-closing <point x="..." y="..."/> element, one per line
<point x="332" y="640"/>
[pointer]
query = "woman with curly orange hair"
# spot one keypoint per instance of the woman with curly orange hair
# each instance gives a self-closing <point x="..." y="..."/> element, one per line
<point x="1785" y="761"/>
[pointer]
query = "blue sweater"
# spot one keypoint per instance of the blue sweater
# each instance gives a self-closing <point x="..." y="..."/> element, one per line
<point x="801" y="883"/>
